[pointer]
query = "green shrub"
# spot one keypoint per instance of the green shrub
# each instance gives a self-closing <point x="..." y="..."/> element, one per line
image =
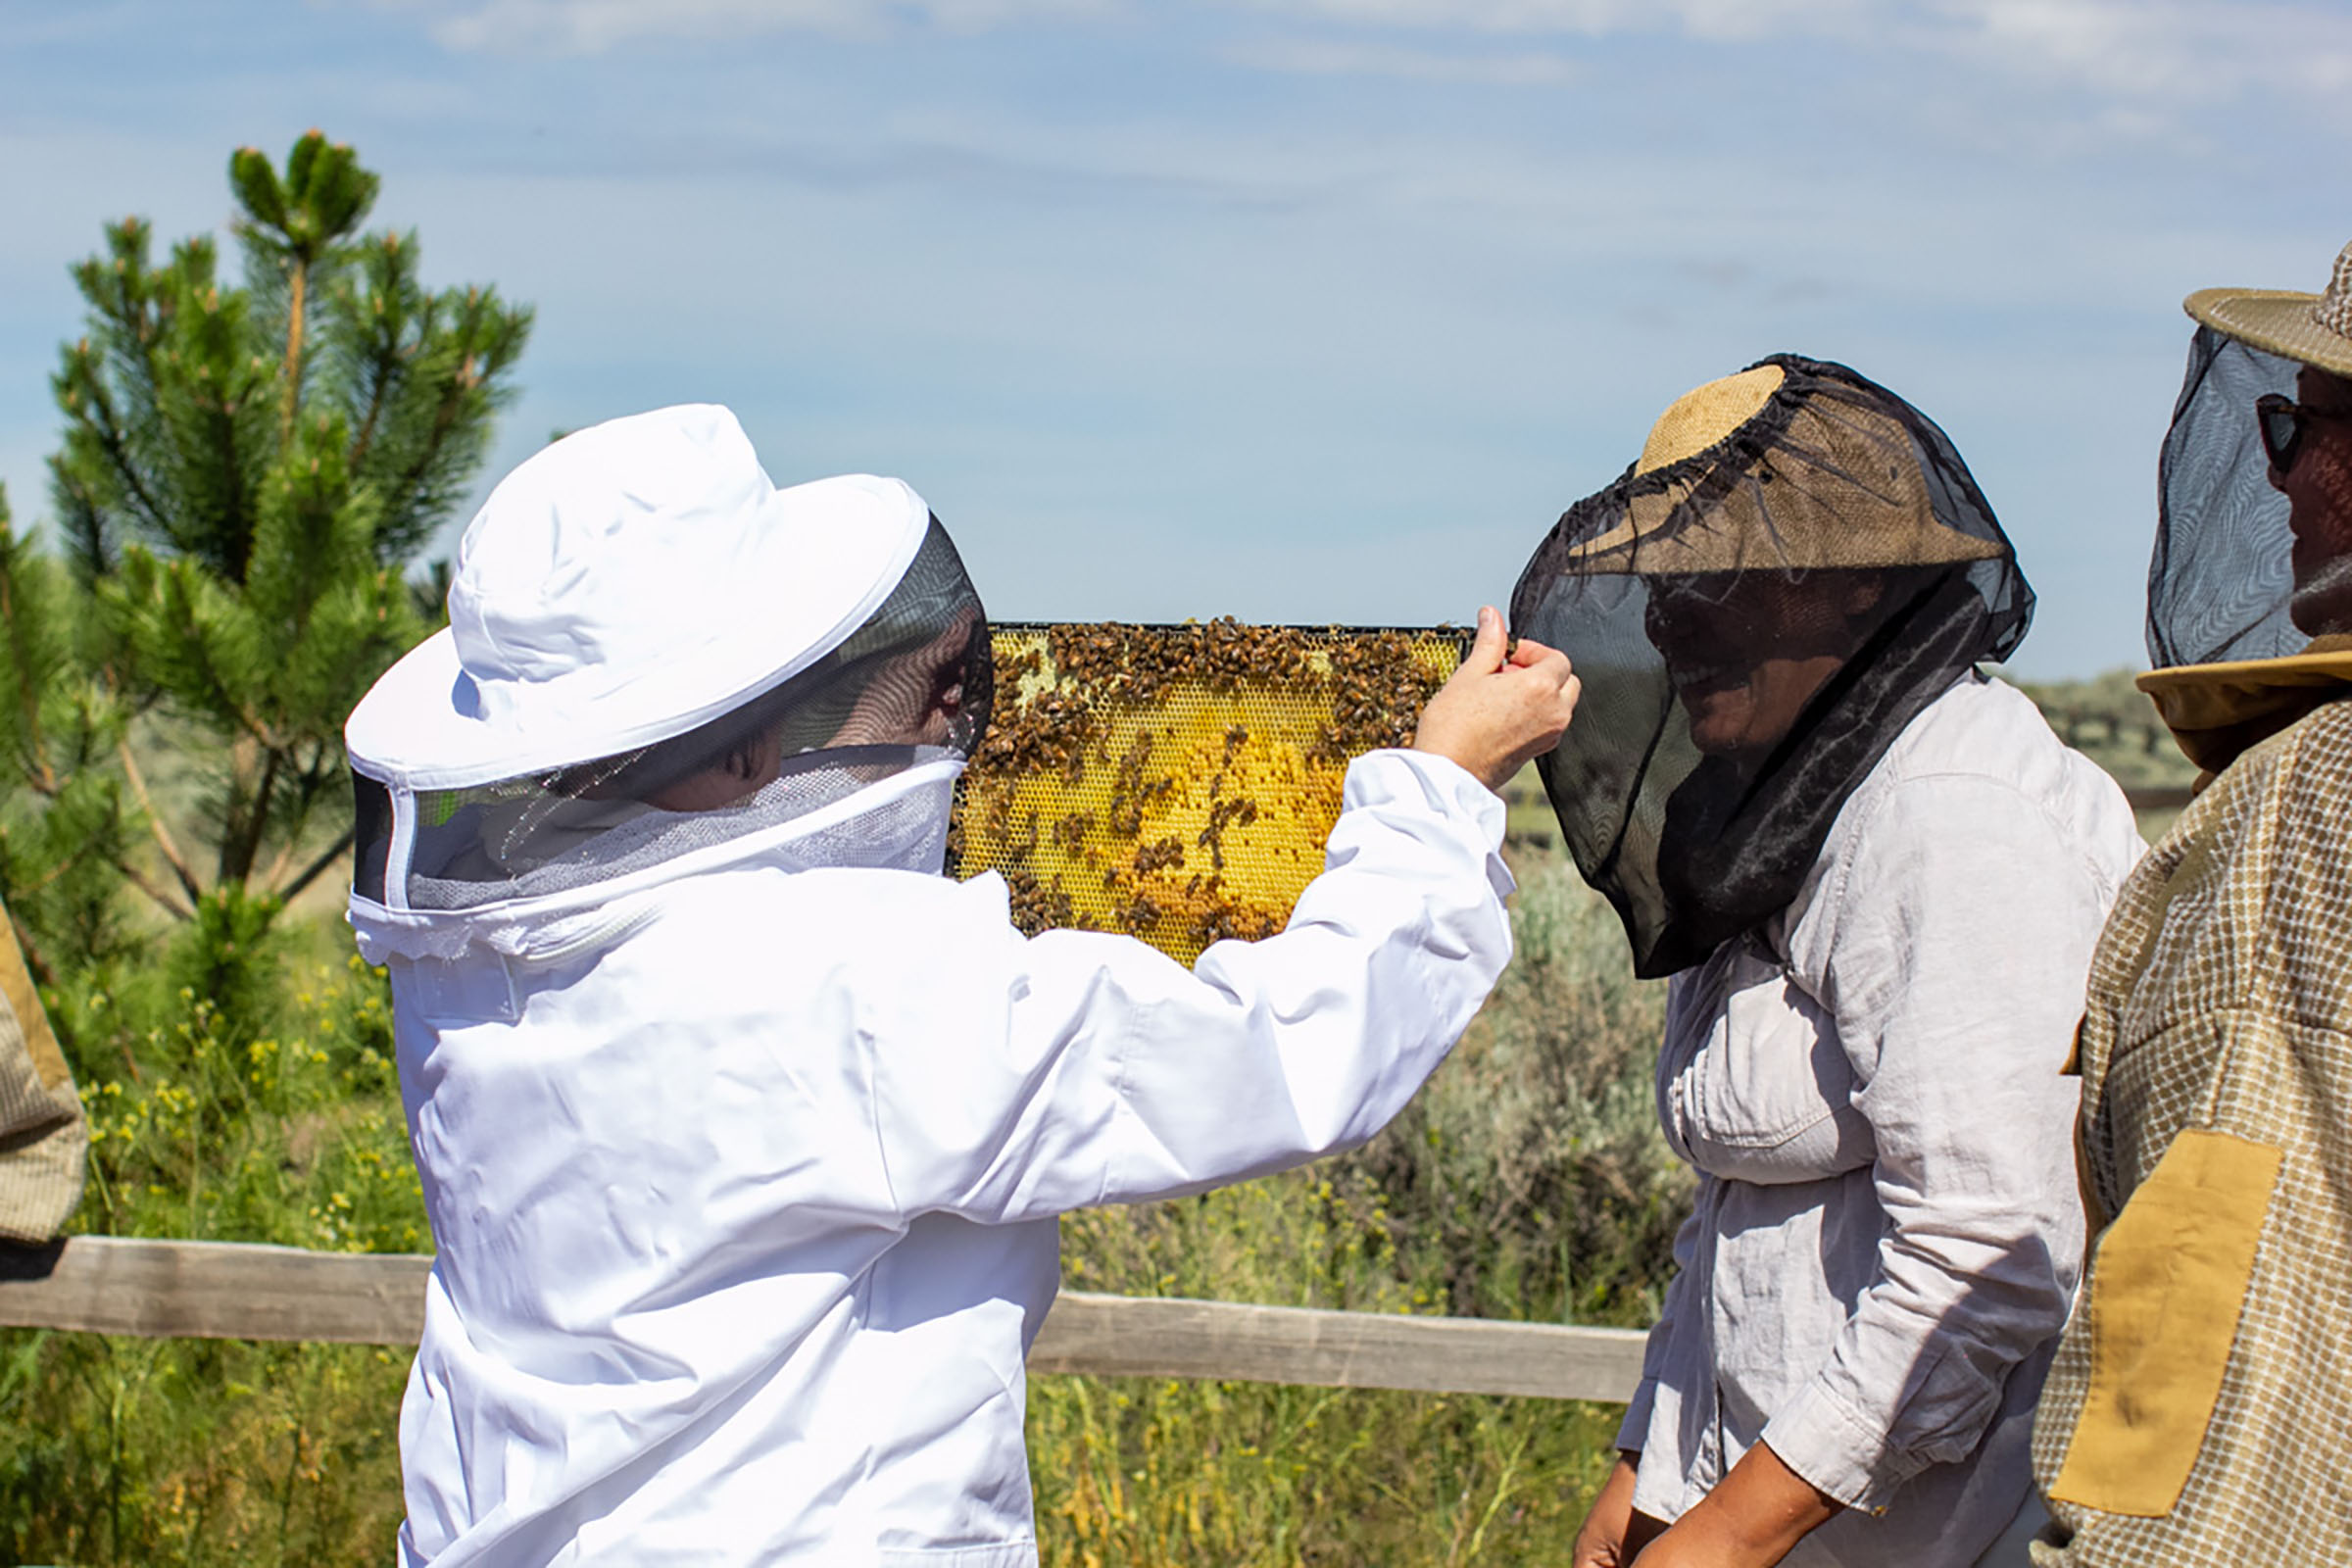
<point x="1167" y="1471"/>
<point x="280" y="1122"/>
<point x="180" y="1451"/>
<point x="1529" y="1180"/>
<point x="1160" y="1472"/>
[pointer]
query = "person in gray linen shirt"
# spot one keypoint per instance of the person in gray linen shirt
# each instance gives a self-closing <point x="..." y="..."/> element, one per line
<point x="1875" y="877"/>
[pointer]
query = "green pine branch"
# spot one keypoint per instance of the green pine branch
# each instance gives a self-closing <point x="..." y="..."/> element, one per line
<point x="246" y="473"/>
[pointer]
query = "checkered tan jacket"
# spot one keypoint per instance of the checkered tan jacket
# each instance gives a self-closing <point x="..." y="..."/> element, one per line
<point x="42" y="1135"/>
<point x="2199" y="1410"/>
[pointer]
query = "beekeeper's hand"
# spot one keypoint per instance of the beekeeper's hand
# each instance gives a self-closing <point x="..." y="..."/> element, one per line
<point x="1601" y="1541"/>
<point x="1504" y="707"/>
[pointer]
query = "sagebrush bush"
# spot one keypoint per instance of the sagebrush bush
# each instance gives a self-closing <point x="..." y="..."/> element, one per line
<point x="1529" y="1180"/>
<point x="1167" y="1471"/>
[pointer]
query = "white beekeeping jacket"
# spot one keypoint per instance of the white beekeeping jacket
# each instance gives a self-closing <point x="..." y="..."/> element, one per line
<point x="741" y="1130"/>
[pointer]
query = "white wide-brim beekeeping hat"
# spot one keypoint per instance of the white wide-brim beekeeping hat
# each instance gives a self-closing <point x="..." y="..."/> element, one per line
<point x="622" y="586"/>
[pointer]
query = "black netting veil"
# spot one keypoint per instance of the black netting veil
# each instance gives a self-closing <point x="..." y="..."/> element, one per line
<point x="911" y="685"/>
<point x="2220" y="583"/>
<point x="1754" y="623"/>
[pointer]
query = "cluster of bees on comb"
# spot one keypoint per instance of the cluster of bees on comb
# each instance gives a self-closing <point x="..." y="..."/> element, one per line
<point x="1177" y="783"/>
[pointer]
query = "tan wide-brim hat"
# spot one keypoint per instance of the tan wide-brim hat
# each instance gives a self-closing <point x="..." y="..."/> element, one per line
<point x="2313" y="329"/>
<point x="2215" y="711"/>
<point x="1841" y="489"/>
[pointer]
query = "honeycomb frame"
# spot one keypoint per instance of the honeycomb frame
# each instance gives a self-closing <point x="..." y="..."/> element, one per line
<point x="1177" y="782"/>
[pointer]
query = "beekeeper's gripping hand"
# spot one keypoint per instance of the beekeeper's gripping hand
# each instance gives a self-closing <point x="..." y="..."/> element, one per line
<point x="1505" y="707"/>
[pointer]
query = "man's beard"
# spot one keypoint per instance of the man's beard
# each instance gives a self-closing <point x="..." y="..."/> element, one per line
<point x="2322" y="605"/>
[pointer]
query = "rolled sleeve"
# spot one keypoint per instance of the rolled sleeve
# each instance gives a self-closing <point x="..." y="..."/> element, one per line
<point x="1955" y="997"/>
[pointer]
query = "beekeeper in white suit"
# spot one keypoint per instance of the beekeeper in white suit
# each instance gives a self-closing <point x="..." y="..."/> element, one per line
<point x="742" y="1129"/>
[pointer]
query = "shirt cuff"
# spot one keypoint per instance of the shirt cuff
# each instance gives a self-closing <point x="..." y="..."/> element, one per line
<point x="1425" y="782"/>
<point x="1837" y="1451"/>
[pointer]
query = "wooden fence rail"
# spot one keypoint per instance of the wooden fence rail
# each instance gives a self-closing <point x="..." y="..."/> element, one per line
<point x="233" y="1290"/>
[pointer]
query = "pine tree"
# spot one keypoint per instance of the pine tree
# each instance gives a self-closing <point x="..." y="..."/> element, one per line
<point x="247" y="473"/>
<point x="66" y="837"/>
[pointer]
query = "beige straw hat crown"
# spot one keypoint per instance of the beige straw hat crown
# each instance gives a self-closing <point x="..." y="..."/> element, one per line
<point x="1706" y="415"/>
<point x="1838" y="488"/>
<point x="2313" y="329"/>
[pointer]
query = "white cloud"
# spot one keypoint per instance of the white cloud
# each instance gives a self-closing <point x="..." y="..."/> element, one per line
<point x="1712" y="19"/>
<point x="2160" y="55"/>
<point x="2157" y="53"/>
<point x="1321" y="57"/>
<point x="593" y="26"/>
<point x="2182" y="51"/>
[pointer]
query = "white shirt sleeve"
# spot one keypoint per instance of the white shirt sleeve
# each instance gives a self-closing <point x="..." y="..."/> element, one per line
<point x="1954" y="963"/>
<point x="1114" y="1074"/>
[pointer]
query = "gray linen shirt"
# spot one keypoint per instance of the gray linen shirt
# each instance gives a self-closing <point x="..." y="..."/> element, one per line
<point x="1887" y="1233"/>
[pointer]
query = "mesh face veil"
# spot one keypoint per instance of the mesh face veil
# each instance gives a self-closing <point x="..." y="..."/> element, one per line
<point x="808" y="760"/>
<point x="2250" y="584"/>
<point x="2220" y="584"/>
<point x="1798" y="564"/>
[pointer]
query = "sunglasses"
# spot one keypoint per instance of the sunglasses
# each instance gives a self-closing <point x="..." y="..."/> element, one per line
<point x="2281" y="421"/>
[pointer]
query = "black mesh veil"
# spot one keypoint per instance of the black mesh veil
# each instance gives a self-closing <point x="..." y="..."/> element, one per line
<point x="2220" y="581"/>
<point x="910" y="686"/>
<point x="1754" y="623"/>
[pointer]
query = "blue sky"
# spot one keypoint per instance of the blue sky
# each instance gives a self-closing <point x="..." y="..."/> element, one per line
<point x="1302" y="310"/>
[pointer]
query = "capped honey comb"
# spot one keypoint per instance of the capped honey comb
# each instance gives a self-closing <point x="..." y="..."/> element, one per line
<point x="1177" y="783"/>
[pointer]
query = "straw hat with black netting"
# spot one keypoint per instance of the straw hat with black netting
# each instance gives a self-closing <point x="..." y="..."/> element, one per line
<point x="1797" y="547"/>
<point x="2232" y="666"/>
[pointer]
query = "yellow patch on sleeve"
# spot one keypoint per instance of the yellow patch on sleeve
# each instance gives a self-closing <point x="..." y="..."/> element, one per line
<point x="2168" y="1281"/>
